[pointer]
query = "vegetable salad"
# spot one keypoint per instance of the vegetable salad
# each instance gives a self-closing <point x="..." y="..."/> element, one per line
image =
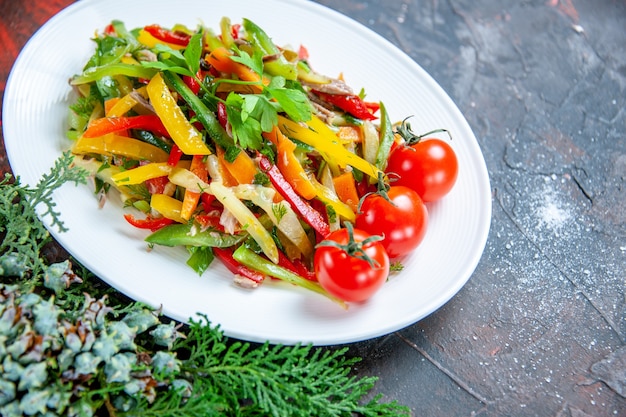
<point x="235" y="148"/>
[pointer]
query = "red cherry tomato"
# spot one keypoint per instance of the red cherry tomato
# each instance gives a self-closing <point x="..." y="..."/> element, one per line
<point x="346" y="275"/>
<point x="402" y="220"/>
<point x="430" y="167"/>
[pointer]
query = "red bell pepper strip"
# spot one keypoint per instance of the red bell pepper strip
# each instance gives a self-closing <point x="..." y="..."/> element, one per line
<point x="192" y="83"/>
<point x="311" y="216"/>
<point x="157" y="185"/>
<point x="350" y="103"/>
<point x="165" y="35"/>
<point x="175" y="155"/>
<point x="226" y="256"/>
<point x="151" y="223"/>
<point x="105" y="125"/>
<point x="303" y="271"/>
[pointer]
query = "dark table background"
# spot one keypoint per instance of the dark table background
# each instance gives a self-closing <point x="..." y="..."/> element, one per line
<point x="540" y="328"/>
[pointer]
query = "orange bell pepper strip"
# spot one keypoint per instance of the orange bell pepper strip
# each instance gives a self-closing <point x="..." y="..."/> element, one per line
<point x="326" y="142"/>
<point x="289" y="165"/>
<point x="182" y="132"/>
<point x="220" y="59"/>
<point x="345" y="188"/>
<point x="113" y="144"/>
<point x="191" y="198"/>
<point x="242" y="169"/>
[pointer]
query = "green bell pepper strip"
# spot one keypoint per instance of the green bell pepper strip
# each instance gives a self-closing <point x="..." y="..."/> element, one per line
<point x="96" y="73"/>
<point x="187" y="235"/>
<point x="258" y="263"/>
<point x="386" y="139"/>
<point x="260" y="40"/>
<point x="202" y="113"/>
<point x="122" y="32"/>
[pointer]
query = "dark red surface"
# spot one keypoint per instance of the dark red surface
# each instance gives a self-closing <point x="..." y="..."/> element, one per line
<point x="540" y="328"/>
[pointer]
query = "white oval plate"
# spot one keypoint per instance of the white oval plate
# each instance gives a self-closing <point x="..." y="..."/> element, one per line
<point x="35" y="113"/>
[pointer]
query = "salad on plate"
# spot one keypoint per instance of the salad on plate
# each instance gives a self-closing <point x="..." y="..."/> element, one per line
<point x="236" y="149"/>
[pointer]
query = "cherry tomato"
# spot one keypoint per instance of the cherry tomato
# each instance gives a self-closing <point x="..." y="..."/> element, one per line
<point x="430" y="167"/>
<point x="402" y="220"/>
<point x="344" y="274"/>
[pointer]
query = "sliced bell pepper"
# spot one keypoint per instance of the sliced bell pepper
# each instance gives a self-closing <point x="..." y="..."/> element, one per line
<point x="142" y="173"/>
<point x="146" y="38"/>
<point x="96" y="73"/>
<point x="243" y="168"/>
<point x="258" y="263"/>
<point x="152" y="223"/>
<point x="276" y="64"/>
<point x="226" y="256"/>
<point x="167" y="206"/>
<point x="330" y="198"/>
<point x="184" y="235"/>
<point x="246" y="219"/>
<point x="168" y="36"/>
<point x="105" y="125"/>
<point x="113" y="144"/>
<point x="183" y="133"/>
<point x="212" y="125"/>
<point x="289" y="165"/>
<point x="386" y="139"/>
<point x="175" y="155"/>
<point x="311" y="216"/>
<point x="326" y="142"/>
<point x="124" y="104"/>
<point x="220" y="59"/>
<point x="345" y="187"/>
<point x="350" y="103"/>
<point x="191" y="198"/>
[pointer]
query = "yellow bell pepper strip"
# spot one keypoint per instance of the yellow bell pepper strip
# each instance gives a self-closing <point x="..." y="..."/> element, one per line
<point x="289" y="165"/>
<point x="191" y="198"/>
<point x="183" y="133"/>
<point x="113" y="144"/>
<point x="105" y="125"/>
<point x="142" y="173"/>
<point x="253" y="261"/>
<point x="329" y="197"/>
<point x="105" y="174"/>
<point x="211" y="123"/>
<point x="326" y="142"/>
<point x="246" y="219"/>
<point x="310" y="216"/>
<point x="125" y="104"/>
<point x="167" y="206"/>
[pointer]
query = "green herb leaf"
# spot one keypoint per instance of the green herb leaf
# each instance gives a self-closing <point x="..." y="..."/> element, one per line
<point x="293" y="102"/>
<point x="254" y="62"/>
<point x="193" y="52"/>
